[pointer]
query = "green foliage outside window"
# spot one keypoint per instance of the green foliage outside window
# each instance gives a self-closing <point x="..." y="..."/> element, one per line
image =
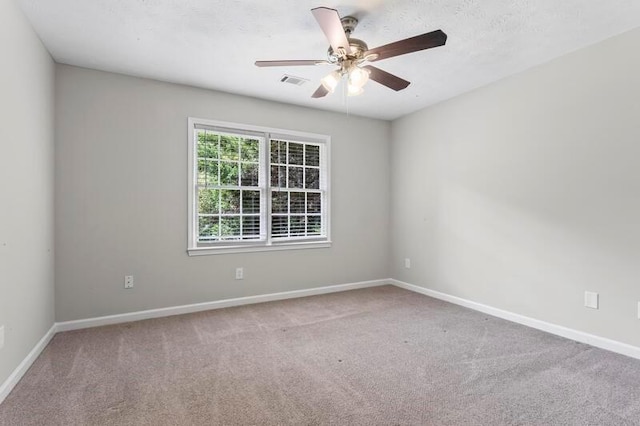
<point x="226" y="162"/>
<point x="229" y="197"/>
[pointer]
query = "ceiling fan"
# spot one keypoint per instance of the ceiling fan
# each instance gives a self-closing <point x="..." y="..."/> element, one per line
<point x="350" y="53"/>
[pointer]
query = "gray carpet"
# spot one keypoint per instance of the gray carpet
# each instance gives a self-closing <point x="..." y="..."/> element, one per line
<point x="366" y="357"/>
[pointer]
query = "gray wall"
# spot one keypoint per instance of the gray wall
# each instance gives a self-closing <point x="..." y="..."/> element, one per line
<point x="121" y="198"/>
<point x="26" y="188"/>
<point x="524" y="194"/>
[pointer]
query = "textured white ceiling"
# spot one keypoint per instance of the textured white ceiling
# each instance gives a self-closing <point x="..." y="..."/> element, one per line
<point x="213" y="43"/>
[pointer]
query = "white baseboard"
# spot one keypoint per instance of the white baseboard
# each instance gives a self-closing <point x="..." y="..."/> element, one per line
<point x="597" y="341"/>
<point x="14" y="378"/>
<point x="17" y="374"/>
<point x="569" y="333"/>
<point x="218" y="304"/>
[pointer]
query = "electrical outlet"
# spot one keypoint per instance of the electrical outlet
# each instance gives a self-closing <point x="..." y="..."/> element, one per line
<point x="407" y="263"/>
<point x="239" y="273"/>
<point x="128" y="281"/>
<point x="1" y="337"/>
<point x="591" y="300"/>
<point x="638" y="310"/>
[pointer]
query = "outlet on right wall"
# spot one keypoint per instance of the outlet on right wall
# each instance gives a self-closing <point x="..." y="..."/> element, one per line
<point x="524" y="194"/>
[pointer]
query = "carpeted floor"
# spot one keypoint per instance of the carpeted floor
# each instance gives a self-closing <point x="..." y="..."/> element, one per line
<point x="376" y="356"/>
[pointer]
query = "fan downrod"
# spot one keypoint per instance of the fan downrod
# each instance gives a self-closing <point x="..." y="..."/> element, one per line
<point x="349" y="23"/>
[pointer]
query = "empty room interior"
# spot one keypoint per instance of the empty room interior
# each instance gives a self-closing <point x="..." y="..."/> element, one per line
<point x="319" y="213"/>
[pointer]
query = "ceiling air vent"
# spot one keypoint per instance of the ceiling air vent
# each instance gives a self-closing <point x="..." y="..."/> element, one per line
<point x="298" y="81"/>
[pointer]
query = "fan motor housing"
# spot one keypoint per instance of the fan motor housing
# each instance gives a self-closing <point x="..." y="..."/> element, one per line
<point x="358" y="47"/>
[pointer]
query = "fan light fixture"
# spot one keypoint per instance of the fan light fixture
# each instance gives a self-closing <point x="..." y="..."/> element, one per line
<point x="354" y="90"/>
<point x="330" y="81"/>
<point x="357" y="78"/>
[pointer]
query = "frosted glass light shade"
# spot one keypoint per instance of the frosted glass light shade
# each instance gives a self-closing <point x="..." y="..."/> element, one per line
<point x="330" y="81"/>
<point x="354" y="90"/>
<point x="358" y="77"/>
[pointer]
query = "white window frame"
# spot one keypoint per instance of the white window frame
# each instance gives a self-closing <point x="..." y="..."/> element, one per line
<point x="269" y="244"/>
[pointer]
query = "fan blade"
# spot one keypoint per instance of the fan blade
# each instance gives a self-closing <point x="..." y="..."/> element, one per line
<point x="329" y="21"/>
<point x="408" y="45"/>
<point x="386" y="79"/>
<point x="320" y="92"/>
<point x="290" y="63"/>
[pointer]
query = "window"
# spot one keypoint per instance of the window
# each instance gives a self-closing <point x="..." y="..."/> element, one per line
<point x="255" y="189"/>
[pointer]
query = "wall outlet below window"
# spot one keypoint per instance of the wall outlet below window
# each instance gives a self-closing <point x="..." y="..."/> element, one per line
<point x="1" y="336"/>
<point x="239" y="273"/>
<point x="407" y="263"/>
<point x="128" y="281"/>
<point x="591" y="300"/>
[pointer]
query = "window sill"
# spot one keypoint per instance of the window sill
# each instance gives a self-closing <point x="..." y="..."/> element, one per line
<point x="206" y="251"/>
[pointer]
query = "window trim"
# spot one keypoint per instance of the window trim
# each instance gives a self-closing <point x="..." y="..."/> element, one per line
<point x="249" y="246"/>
